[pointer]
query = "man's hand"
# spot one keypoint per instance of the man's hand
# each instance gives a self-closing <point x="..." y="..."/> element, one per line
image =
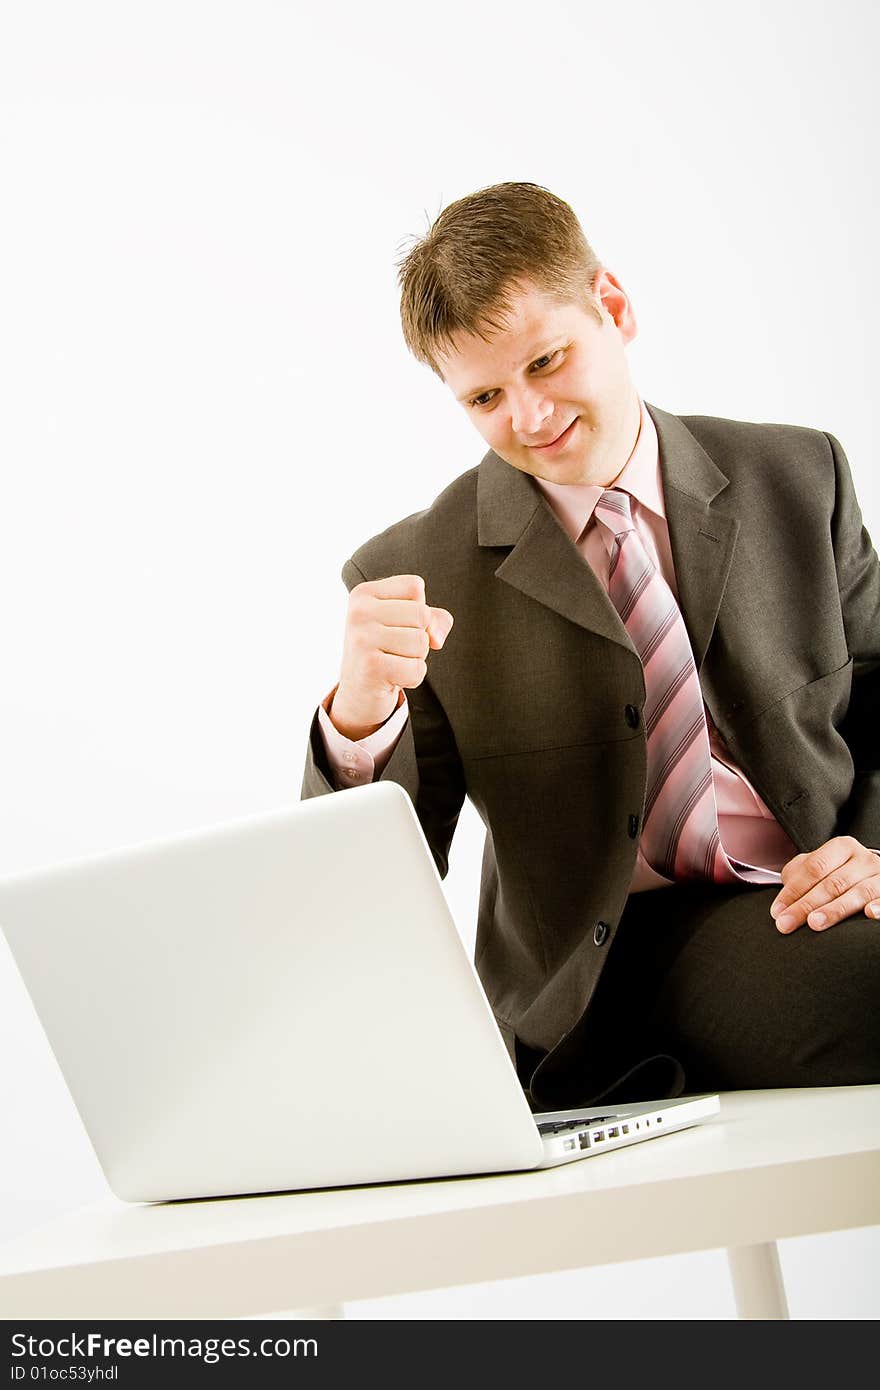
<point x="837" y="880"/>
<point x="389" y="631"/>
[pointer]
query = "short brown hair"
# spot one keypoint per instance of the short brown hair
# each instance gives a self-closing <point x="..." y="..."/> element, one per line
<point x="458" y="278"/>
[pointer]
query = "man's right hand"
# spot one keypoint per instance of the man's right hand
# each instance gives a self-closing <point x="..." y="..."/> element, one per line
<point x="389" y="631"/>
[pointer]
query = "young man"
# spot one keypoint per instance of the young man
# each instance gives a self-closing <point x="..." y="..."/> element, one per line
<point x="661" y="690"/>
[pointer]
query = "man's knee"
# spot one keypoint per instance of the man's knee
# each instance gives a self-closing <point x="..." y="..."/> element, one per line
<point x="753" y="1008"/>
<point x="835" y="986"/>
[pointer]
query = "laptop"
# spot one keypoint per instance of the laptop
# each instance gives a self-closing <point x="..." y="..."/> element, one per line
<point x="282" y="1003"/>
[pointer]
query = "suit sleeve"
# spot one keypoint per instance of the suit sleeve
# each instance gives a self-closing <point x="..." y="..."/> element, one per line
<point x="858" y="572"/>
<point x="424" y="762"/>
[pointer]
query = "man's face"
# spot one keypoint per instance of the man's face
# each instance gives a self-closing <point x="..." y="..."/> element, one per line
<point x="551" y="393"/>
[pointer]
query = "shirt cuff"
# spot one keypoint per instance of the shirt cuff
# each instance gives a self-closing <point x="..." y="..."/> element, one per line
<point x="354" y="762"/>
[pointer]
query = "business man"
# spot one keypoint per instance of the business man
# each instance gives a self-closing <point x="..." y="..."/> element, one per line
<point x="661" y="690"/>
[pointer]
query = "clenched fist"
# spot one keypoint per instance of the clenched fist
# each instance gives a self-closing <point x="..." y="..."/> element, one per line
<point x="389" y="631"/>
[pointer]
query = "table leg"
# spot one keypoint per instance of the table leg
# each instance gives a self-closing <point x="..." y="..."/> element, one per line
<point x="757" y="1281"/>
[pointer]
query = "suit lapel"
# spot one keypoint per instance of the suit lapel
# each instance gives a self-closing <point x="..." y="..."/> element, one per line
<point x="544" y="563"/>
<point x="702" y="537"/>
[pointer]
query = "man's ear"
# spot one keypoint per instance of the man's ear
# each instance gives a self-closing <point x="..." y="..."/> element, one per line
<point x="615" y="304"/>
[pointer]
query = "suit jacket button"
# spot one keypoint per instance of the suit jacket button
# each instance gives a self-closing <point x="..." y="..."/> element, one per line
<point x="600" y="933"/>
<point x="633" y="827"/>
<point x="631" y="715"/>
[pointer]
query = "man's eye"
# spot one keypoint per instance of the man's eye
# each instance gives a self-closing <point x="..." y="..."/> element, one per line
<point x="484" y="398"/>
<point x="545" y="361"/>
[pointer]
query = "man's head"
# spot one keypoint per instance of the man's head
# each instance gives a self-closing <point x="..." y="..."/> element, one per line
<point x="505" y="300"/>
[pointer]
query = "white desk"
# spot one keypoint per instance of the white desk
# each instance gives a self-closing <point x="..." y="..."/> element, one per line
<point x="774" y="1164"/>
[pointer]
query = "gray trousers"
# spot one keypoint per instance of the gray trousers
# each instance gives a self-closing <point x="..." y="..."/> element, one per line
<point x="702" y="993"/>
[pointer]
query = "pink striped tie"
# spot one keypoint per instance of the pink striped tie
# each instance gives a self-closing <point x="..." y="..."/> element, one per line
<point x="680" y="837"/>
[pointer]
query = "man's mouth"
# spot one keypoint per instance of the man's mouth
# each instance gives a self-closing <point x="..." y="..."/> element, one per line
<point x="559" y="442"/>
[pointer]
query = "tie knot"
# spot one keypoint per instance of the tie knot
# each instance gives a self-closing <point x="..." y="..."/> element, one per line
<point x="613" y="511"/>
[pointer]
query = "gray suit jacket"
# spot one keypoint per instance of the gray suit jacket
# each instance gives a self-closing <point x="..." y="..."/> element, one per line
<point x="533" y="706"/>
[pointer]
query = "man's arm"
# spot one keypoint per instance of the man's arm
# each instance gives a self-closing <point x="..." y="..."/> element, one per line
<point x="841" y="878"/>
<point x="858" y="571"/>
<point x="384" y="653"/>
<point x="354" y="762"/>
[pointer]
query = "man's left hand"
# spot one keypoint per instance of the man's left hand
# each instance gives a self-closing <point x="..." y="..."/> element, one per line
<point x="837" y="880"/>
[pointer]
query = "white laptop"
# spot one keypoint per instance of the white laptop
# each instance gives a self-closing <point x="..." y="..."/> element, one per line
<point x="284" y="1002"/>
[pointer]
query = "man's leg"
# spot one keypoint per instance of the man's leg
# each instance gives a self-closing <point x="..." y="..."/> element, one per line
<point x="698" y="975"/>
<point x="743" y="1006"/>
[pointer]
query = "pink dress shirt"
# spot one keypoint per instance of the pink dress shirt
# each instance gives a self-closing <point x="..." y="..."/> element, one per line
<point x="749" y="831"/>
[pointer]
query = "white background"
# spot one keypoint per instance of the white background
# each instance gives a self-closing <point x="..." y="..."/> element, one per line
<point x="206" y="403"/>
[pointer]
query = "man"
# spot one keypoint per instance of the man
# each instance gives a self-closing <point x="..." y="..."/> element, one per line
<point x="660" y="691"/>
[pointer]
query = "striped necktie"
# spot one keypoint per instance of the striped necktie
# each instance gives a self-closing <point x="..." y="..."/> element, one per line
<point x="680" y="837"/>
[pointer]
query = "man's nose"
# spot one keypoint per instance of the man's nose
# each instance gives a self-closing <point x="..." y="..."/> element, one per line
<point x="528" y="411"/>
